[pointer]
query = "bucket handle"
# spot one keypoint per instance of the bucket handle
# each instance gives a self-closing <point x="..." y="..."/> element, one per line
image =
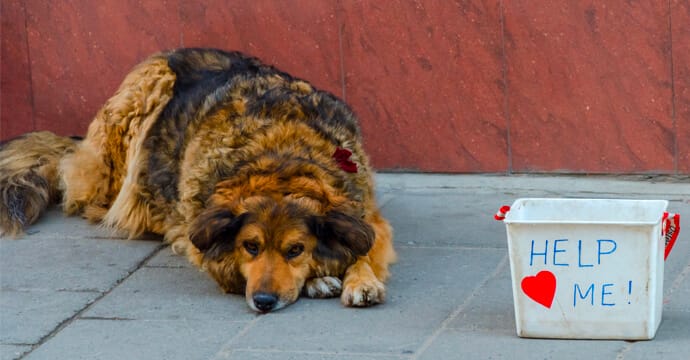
<point x="670" y="228"/>
<point x="501" y="214"/>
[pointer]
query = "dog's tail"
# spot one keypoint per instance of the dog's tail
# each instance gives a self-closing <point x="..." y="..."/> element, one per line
<point x="29" y="177"/>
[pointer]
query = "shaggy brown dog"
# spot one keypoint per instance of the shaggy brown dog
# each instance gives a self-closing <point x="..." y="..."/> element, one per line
<point x="257" y="176"/>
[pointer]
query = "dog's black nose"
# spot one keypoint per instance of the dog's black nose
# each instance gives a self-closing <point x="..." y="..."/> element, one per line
<point x="265" y="302"/>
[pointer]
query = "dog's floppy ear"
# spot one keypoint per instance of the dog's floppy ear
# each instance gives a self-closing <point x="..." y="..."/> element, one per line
<point x="213" y="232"/>
<point x="341" y="236"/>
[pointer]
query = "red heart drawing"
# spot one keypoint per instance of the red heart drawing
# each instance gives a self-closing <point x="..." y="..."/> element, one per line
<point x="540" y="288"/>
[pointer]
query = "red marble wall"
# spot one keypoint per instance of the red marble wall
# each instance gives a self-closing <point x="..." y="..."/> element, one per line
<point x="440" y="86"/>
<point x="16" y="103"/>
<point x="680" y="31"/>
<point x="590" y="86"/>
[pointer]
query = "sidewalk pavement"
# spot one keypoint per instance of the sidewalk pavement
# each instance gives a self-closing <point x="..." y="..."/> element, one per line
<point x="71" y="291"/>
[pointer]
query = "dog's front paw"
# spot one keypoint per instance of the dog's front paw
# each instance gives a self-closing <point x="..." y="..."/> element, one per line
<point x="179" y="247"/>
<point x="323" y="287"/>
<point x="363" y="292"/>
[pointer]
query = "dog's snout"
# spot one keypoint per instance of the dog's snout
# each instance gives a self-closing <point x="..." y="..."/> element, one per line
<point x="265" y="302"/>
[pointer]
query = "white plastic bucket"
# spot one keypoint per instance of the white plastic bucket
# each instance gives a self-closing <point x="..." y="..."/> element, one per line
<point x="587" y="268"/>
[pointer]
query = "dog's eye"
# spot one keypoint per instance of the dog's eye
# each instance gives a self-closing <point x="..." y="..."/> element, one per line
<point x="294" y="251"/>
<point x="251" y="247"/>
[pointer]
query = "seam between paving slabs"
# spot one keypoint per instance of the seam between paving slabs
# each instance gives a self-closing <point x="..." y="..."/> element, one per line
<point x="674" y="286"/>
<point x="444" y="325"/>
<point x="75" y="316"/>
<point x="386" y="198"/>
<point x="226" y="350"/>
<point x="322" y="353"/>
<point x="679" y="280"/>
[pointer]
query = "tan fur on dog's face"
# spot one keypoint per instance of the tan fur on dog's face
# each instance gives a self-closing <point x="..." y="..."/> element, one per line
<point x="277" y="259"/>
<point x="272" y="247"/>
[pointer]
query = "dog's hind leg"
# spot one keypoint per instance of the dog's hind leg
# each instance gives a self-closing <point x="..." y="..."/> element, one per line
<point x="29" y="178"/>
<point x="86" y="179"/>
<point x="101" y="176"/>
<point x="129" y="115"/>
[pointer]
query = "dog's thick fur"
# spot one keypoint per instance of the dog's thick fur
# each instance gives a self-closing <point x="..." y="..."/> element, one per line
<point x="232" y="161"/>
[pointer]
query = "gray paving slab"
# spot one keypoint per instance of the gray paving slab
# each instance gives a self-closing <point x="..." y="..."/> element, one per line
<point x="463" y="344"/>
<point x="12" y="352"/>
<point x="69" y="263"/>
<point x="284" y="355"/>
<point x="427" y="286"/>
<point x="446" y="218"/>
<point x="29" y="316"/>
<point x="155" y="293"/>
<point x="492" y="309"/>
<point x="167" y="259"/>
<point x="580" y="186"/>
<point x="679" y="299"/>
<point x="677" y="271"/>
<point x="55" y="224"/>
<point x="672" y="341"/>
<point x="138" y="339"/>
<point x="450" y="295"/>
<point x="46" y="278"/>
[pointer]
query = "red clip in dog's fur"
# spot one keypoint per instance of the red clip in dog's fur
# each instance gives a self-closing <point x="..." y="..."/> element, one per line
<point x="342" y="157"/>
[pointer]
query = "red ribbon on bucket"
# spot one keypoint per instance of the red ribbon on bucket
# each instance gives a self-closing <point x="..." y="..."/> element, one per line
<point x="670" y="228"/>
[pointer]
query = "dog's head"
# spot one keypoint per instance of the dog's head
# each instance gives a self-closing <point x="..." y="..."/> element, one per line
<point x="268" y="248"/>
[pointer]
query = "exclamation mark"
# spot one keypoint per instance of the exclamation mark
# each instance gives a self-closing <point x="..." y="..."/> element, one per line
<point x="629" y="290"/>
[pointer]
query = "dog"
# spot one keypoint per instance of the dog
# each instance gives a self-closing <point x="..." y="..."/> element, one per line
<point x="257" y="176"/>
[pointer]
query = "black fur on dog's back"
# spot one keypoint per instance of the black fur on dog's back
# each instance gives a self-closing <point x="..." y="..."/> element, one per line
<point x="200" y="73"/>
<point x="206" y="81"/>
